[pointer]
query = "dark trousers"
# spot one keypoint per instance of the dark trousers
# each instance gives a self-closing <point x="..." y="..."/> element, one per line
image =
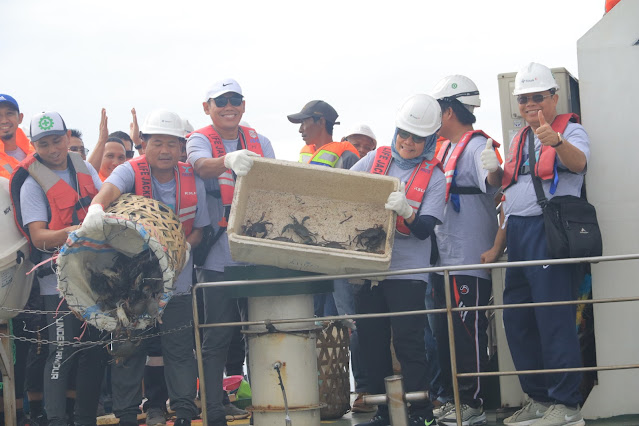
<point x="541" y="337"/>
<point x="180" y="370"/>
<point x="471" y="339"/>
<point x="407" y="336"/>
<point x="218" y="307"/>
<point x="89" y="361"/>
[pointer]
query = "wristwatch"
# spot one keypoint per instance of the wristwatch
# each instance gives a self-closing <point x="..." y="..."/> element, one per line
<point x="561" y="140"/>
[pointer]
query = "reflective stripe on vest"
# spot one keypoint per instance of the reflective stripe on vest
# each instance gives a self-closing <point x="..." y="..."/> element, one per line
<point x="545" y="167"/>
<point x="185" y="192"/>
<point x="226" y="179"/>
<point x="451" y="164"/>
<point x="416" y="185"/>
<point x="328" y="155"/>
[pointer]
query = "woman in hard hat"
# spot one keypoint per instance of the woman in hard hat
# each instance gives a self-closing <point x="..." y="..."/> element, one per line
<point x="419" y="206"/>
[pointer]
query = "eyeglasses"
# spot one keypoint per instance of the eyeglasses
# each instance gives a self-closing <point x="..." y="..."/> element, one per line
<point x="79" y="149"/>
<point x="221" y="101"/>
<point x="523" y="99"/>
<point x="130" y="154"/>
<point x="405" y="135"/>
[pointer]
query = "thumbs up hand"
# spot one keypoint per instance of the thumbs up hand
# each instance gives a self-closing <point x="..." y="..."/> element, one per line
<point x="547" y="136"/>
<point x="488" y="157"/>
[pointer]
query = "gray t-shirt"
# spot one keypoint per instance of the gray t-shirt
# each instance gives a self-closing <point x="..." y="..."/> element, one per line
<point x="123" y="177"/>
<point x="521" y="199"/>
<point x="17" y="153"/>
<point x="464" y="236"/>
<point x="410" y="252"/>
<point x="34" y="206"/>
<point x="198" y="146"/>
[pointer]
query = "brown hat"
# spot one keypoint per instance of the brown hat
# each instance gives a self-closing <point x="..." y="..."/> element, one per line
<point x="315" y="109"/>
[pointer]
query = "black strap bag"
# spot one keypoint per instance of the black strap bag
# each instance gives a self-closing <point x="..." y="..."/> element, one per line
<point x="571" y="223"/>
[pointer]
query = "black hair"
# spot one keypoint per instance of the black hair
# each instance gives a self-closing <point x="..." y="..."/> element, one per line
<point x="116" y="140"/>
<point x="327" y="125"/>
<point x="122" y="136"/>
<point x="463" y="115"/>
<point x="75" y="133"/>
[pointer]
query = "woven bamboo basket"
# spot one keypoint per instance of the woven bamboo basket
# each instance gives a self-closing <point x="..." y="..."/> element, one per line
<point x="333" y="370"/>
<point x="131" y="225"/>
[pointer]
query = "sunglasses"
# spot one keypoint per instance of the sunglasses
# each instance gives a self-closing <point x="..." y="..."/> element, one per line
<point x="222" y="101"/>
<point x="523" y="99"/>
<point x="405" y="135"/>
<point x="79" y="149"/>
<point x="130" y="154"/>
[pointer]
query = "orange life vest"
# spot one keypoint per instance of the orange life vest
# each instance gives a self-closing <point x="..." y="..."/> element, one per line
<point x="416" y="185"/>
<point x="185" y="192"/>
<point x="326" y="155"/>
<point x="226" y="180"/>
<point x="451" y="165"/>
<point x="7" y="162"/>
<point x="545" y="167"/>
<point x="67" y="206"/>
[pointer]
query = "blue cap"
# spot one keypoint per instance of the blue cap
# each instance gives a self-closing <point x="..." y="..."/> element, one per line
<point x="9" y="99"/>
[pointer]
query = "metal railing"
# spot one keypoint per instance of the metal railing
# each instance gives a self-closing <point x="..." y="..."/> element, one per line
<point x="448" y="311"/>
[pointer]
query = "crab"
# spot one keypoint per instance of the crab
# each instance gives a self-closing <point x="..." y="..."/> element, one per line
<point x="257" y="229"/>
<point x="300" y="230"/>
<point x="370" y="238"/>
<point x="333" y="244"/>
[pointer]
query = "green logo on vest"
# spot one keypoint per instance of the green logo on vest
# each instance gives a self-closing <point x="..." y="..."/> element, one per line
<point x="45" y="123"/>
<point x="454" y="85"/>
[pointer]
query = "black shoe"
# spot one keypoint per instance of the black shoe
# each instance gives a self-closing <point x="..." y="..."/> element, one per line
<point x="421" y="421"/>
<point x="217" y="422"/>
<point x="182" y="422"/>
<point x="377" y="420"/>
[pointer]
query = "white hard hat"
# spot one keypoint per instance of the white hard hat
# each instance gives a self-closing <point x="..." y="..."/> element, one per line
<point x="534" y="78"/>
<point x="361" y="129"/>
<point x="457" y="87"/>
<point x="188" y="127"/>
<point x="163" y="122"/>
<point x="420" y="115"/>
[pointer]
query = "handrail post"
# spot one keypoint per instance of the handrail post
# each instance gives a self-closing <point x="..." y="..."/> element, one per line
<point x="198" y="354"/>
<point x="451" y="345"/>
<point x="395" y="400"/>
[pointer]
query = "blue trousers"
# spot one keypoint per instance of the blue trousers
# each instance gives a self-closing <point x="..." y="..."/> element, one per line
<point x="541" y="337"/>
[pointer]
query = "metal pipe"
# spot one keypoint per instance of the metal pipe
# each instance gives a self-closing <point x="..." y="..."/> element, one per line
<point x="198" y="356"/>
<point x="395" y="399"/>
<point x="451" y="345"/>
<point x="364" y="275"/>
<point x="555" y="370"/>
<point x="382" y="399"/>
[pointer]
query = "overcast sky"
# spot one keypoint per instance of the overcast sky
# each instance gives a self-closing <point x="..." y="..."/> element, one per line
<point x="362" y="57"/>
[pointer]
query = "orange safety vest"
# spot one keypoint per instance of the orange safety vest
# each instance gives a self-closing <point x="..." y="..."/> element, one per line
<point x="226" y="180"/>
<point x="67" y="206"/>
<point x="416" y="185"/>
<point x="326" y="155"/>
<point x="451" y="165"/>
<point x="185" y="193"/>
<point x="545" y="167"/>
<point x="7" y="162"/>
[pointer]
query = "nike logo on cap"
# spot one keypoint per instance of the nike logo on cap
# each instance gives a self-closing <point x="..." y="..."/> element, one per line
<point x="545" y="266"/>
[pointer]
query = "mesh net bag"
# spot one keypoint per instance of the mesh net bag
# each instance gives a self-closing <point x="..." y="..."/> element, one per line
<point x="122" y="276"/>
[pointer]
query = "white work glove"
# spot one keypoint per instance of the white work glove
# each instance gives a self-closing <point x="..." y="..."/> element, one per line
<point x="187" y="254"/>
<point x="489" y="159"/>
<point x="94" y="218"/>
<point x="398" y="203"/>
<point x="239" y="161"/>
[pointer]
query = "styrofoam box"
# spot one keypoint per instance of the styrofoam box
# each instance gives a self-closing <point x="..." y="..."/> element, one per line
<point x="339" y="205"/>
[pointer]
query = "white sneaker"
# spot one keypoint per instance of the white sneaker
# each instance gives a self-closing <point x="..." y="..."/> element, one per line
<point x="561" y="415"/>
<point x="528" y="414"/>
<point x="443" y="410"/>
<point x="469" y="416"/>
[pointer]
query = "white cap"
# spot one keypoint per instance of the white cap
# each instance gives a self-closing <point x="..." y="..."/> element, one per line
<point x="534" y="78"/>
<point x="45" y="124"/>
<point x="361" y="129"/>
<point x="163" y="122"/>
<point x="457" y="87"/>
<point x="221" y="87"/>
<point x="420" y="115"/>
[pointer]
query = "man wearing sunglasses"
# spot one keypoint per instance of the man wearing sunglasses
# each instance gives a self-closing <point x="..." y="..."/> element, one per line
<point x="219" y="153"/>
<point x="546" y="336"/>
<point x="468" y="229"/>
<point x="76" y="144"/>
